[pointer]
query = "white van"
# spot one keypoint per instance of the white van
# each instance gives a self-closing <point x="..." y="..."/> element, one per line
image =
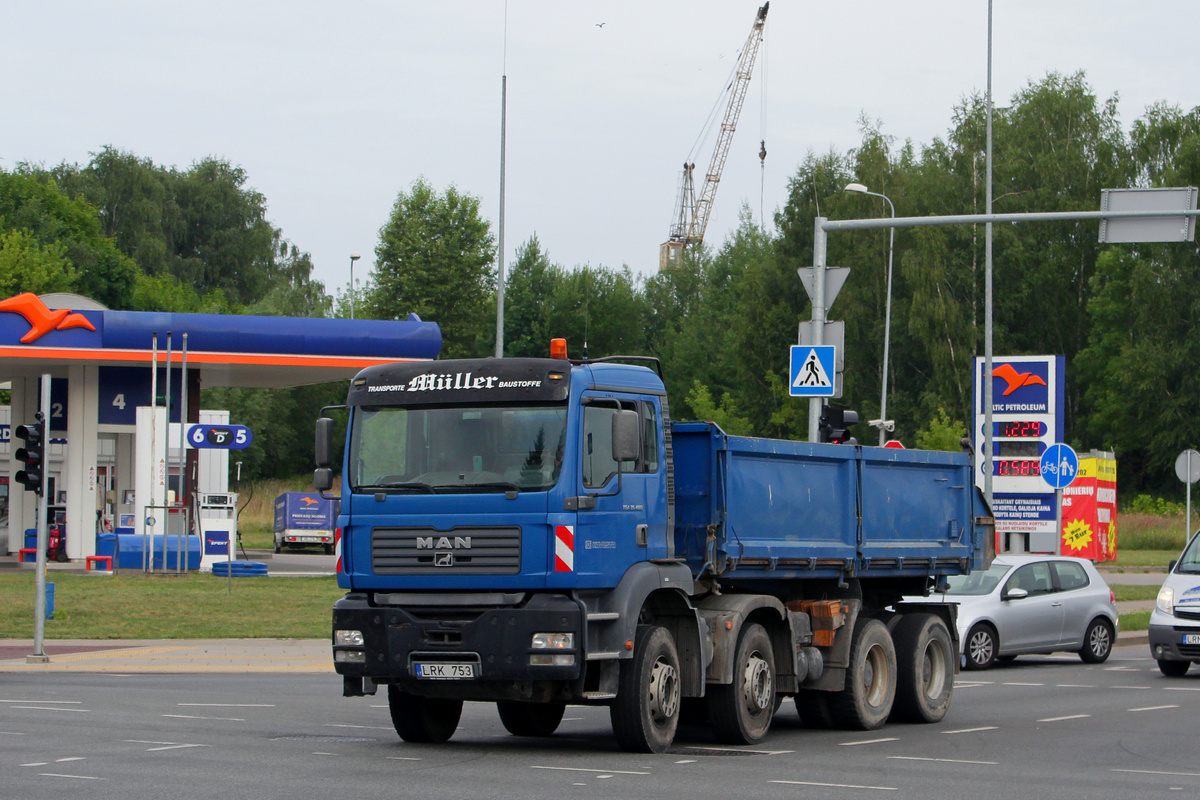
<point x="1175" y="622"/>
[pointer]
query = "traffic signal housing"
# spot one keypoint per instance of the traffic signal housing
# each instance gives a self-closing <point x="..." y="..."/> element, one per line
<point x="835" y="423"/>
<point x="32" y="455"/>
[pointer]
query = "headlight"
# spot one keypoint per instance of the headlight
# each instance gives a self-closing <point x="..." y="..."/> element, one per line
<point x="1166" y="600"/>
<point x="553" y="641"/>
<point x="551" y="659"/>
<point x="349" y="656"/>
<point x="351" y="638"/>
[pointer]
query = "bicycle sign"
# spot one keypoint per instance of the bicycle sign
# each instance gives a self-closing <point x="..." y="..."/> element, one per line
<point x="220" y="437"/>
<point x="1059" y="465"/>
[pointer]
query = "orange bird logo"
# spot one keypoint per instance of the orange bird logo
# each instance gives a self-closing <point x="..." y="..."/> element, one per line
<point x="308" y="501"/>
<point x="1014" y="379"/>
<point x="41" y="319"/>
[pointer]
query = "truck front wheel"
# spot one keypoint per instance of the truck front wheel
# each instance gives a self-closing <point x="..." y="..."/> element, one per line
<point x="925" y="668"/>
<point x="645" y="712"/>
<point x="530" y="719"/>
<point x="870" y="690"/>
<point x="431" y="720"/>
<point x="741" y="712"/>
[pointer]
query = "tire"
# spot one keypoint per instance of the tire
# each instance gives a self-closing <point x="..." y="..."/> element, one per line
<point x="924" y="668"/>
<point x="328" y="549"/>
<point x="430" y="720"/>
<point x="981" y="646"/>
<point x="1097" y="642"/>
<point x="741" y="712"/>
<point x="645" y="713"/>
<point x="530" y="719"/>
<point x="278" y="548"/>
<point x="813" y="708"/>
<point x="866" y="702"/>
<point x="1173" y="669"/>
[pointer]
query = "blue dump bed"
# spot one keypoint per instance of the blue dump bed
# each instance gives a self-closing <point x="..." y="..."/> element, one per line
<point x="767" y="509"/>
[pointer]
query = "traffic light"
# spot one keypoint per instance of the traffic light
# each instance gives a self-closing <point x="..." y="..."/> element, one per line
<point x="835" y="425"/>
<point x="32" y="455"/>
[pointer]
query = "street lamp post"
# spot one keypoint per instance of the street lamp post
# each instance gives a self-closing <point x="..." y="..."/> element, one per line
<point x="355" y="257"/>
<point x="883" y="423"/>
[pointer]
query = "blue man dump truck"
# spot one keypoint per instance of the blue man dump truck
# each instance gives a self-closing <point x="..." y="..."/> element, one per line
<point x="539" y="532"/>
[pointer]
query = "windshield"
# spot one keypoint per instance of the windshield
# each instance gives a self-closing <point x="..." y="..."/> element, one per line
<point x="455" y="449"/>
<point x="1189" y="562"/>
<point x="979" y="582"/>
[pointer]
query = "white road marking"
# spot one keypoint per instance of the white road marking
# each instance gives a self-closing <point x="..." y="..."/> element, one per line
<point x="740" y="750"/>
<point x="230" y="705"/>
<point x="686" y="761"/>
<point x="609" y="772"/>
<point x="839" y="785"/>
<point x="48" y="702"/>
<point x="1182" y="688"/>
<point x="946" y="760"/>
<point x="70" y="758"/>
<point x="975" y="730"/>
<point x="869" y="741"/>
<point x="364" y="727"/>
<point x="1069" y="716"/>
<point x="1075" y="685"/>
<point x="77" y="777"/>
<point x="1151" y="708"/>
<point x="1014" y="683"/>
<point x="34" y="764"/>
<point x="1123" y="669"/>
<point x="146" y="741"/>
<point x="174" y="747"/>
<point x="189" y="716"/>
<point x="324" y="754"/>
<point x="1137" y="688"/>
<point x="1156" y="772"/>
<point x="10" y="733"/>
<point x="51" y="708"/>
<point x="403" y="758"/>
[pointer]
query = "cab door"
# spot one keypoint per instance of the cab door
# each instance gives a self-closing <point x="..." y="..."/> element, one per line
<point x="618" y="511"/>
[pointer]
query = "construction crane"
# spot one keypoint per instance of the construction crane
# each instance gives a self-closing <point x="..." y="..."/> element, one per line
<point x="691" y="214"/>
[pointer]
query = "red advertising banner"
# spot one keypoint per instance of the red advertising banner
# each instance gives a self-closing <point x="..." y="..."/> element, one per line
<point x="1089" y="510"/>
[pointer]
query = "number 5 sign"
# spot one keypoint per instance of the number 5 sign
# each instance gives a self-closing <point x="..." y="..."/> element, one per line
<point x="224" y="437"/>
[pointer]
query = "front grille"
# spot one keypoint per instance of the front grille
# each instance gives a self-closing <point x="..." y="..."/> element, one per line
<point x="1189" y="650"/>
<point x="428" y="551"/>
<point x="1190" y="612"/>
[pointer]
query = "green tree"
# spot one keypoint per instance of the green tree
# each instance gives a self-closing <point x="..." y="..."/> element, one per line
<point x="434" y="259"/>
<point x="528" y="286"/>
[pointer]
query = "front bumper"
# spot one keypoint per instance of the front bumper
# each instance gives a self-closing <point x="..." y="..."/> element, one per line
<point x="1166" y="637"/>
<point x="497" y="640"/>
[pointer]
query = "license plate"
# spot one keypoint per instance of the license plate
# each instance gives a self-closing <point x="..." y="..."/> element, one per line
<point x="1191" y="638"/>
<point x="444" y="671"/>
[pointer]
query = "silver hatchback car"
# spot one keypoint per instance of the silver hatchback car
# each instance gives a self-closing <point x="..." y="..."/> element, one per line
<point x="1033" y="604"/>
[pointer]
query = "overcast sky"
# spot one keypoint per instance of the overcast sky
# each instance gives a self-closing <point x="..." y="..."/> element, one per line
<point x="333" y="108"/>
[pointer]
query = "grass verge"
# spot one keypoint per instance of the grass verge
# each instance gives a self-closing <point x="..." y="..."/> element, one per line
<point x="193" y="606"/>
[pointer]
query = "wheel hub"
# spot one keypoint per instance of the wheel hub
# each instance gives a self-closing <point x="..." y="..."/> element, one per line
<point x="756" y="683"/>
<point x="664" y="691"/>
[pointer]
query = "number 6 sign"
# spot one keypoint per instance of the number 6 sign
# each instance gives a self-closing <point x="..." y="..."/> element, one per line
<point x="224" y="437"/>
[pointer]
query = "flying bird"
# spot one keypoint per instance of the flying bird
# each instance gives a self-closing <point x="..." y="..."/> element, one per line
<point x="599" y="24"/>
<point x="1014" y="379"/>
<point x="41" y="319"/>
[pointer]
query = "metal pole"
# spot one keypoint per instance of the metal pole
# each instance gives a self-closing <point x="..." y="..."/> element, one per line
<point x="820" y="242"/>
<point x="987" y="287"/>
<point x="39" y="601"/>
<point x="166" y="456"/>
<point x="149" y="499"/>
<point x="500" y="239"/>
<point x="183" y="419"/>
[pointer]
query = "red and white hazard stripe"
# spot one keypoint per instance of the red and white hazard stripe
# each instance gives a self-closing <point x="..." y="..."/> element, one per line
<point x="564" y="548"/>
<point x="337" y="548"/>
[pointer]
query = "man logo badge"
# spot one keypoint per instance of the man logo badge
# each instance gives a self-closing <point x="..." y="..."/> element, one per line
<point x="443" y="559"/>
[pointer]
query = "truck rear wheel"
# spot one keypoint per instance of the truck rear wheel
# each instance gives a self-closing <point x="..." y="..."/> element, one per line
<point x="740" y="712"/>
<point x="866" y="702"/>
<point x="431" y="720"/>
<point x="645" y="712"/>
<point x="924" y="668"/>
<point x="530" y="719"/>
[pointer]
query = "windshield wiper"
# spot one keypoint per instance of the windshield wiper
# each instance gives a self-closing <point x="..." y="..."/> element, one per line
<point x="505" y="486"/>
<point x="407" y="486"/>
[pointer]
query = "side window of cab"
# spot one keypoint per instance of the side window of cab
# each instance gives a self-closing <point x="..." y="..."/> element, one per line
<point x="598" y="464"/>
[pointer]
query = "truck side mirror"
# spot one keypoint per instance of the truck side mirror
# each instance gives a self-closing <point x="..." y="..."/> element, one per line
<point x="323" y="449"/>
<point x="625" y="443"/>
<point x="323" y="479"/>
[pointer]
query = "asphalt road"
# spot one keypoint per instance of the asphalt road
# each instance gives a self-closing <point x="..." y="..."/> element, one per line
<point x="1040" y="727"/>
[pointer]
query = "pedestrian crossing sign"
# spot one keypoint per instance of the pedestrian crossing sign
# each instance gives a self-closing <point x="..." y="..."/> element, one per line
<point x="812" y="371"/>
